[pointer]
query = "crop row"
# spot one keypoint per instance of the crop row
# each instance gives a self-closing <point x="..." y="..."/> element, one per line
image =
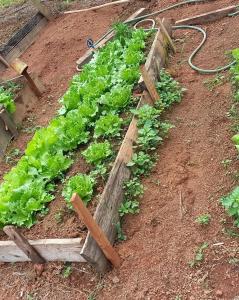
<point x="90" y="113"/>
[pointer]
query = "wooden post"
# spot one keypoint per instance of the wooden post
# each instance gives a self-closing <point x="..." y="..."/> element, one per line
<point x="23" y="244"/>
<point x="165" y="33"/>
<point x="8" y="122"/>
<point x="95" y="230"/>
<point x="208" y="16"/>
<point x="149" y="83"/>
<point x="43" y="9"/>
<point x="21" y="68"/>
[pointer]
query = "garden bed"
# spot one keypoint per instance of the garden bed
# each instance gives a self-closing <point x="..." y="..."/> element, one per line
<point x="153" y="55"/>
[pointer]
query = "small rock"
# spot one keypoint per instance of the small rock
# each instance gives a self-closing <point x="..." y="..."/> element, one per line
<point x="219" y="293"/>
<point x="115" y="279"/>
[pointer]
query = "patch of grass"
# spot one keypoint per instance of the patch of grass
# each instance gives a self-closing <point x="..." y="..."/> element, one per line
<point x="203" y="219"/>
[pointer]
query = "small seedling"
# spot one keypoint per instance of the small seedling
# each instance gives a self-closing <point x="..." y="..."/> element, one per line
<point x="67" y="270"/>
<point x="12" y="155"/>
<point x="226" y="163"/>
<point x="199" y="256"/>
<point x="212" y="83"/>
<point x="230" y="232"/>
<point x="203" y="219"/>
<point x="58" y="217"/>
<point x="120" y="235"/>
<point x="129" y="207"/>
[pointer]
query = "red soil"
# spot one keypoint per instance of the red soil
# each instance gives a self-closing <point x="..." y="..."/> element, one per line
<point x="187" y="181"/>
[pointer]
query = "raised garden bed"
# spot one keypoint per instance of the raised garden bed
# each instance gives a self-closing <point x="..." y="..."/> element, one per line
<point x="106" y="214"/>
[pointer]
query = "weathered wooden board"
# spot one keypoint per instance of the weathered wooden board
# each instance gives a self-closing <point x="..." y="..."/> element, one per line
<point x="22" y="243"/>
<point x="207" y="17"/>
<point x="49" y="249"/>
<point x="106" y="214"/>
<point x="95" y="230"/>
<point x="89" y="54"/>
<point x="22" y="39"/>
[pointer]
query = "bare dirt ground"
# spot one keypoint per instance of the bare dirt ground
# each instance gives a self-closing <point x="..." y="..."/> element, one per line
<point x="187" y="181"/>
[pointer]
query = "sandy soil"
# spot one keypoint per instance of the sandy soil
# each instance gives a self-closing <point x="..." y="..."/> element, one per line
<point x="187" y="181"/>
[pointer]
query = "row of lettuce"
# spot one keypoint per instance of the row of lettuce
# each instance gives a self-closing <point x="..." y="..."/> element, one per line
<point x="231" y="201"/>
<point x="90" y="115"/>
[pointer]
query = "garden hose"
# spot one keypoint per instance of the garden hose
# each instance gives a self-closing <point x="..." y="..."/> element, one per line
<point x="191" y="57"/>
<point x="135" y="20"/>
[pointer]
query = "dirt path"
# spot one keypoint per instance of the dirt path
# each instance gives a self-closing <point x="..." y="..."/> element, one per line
<point x="187" y="181"/>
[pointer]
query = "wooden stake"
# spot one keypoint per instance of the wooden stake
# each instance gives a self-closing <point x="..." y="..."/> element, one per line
<point x="95" y="230"/>
<point x="165" y="33"/>
<point x="23" y="244"/>
<point x="43" y="9"/>
<point x="208" y="16"/>
<point x="96" y="7"/>
<point x="149" y="83"/>
<point x="8" y="122"/>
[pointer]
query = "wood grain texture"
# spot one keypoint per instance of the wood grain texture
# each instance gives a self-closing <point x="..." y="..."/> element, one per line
<point x="150" y="84"/>
<point x="50" y="249"/>
<point x="23" y="244"/>
<point x="88" y="54"/>
<point x="8" y="122"/>
<point x="95" y="231"/>
<point x="207" y="17"/>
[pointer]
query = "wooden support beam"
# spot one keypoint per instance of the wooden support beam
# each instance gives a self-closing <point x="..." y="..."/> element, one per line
<point x="97" y="7"/>
<point x="95" y="231"/>
<point x="23" y="244"/>
<point x="8" y="122"/>
<point x="89" y="53"/>
<point x="43" y="9"/>
<point x="210" y="16"/>
<point x="149" y="83"/>
<point x="166" y="34"/>
<point x="50" y="249"/>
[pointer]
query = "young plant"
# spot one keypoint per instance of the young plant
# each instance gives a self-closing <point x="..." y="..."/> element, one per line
<point x="7" y="100"/>
<point x="231" y="204"/>
<point x="81" y="184"/>
<point x="120" y="235"/>
<point x="67" y="270"/>
<point x="96" y="153"/>
<point x="133" y="189"/>
<point x="169" y="90"/>
<point x="129" y="207"/>
<point x="108" y="126"/>
<point x="199" y="256"/>
<point x="141" y="164"/>
<point x="203" y="219"/>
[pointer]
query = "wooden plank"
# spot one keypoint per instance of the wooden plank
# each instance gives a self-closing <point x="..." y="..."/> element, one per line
<point x="106" y="214"/>
<point x="8" y="122"/>
<point x="210" y="16"/>
<point x="149" y="83"/>
<point x="95" y="231"/>
<point x="166" y="34"/>
<point x="5" y="139"/>
<point x="23" y="244"/>
<point x="97" y="7"/>
<point x="89" y="53"/>
<point x="49" y="249"/>
<point x="43" y="9"/>
<point x="26" y="42"/>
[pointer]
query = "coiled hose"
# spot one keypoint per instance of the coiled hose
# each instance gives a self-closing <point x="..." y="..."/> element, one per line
<point x="202" y="31"/>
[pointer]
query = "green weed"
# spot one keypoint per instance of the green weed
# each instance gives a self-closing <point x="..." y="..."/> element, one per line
<point x="199" y="255"/>
<point x="203" y="219"/>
